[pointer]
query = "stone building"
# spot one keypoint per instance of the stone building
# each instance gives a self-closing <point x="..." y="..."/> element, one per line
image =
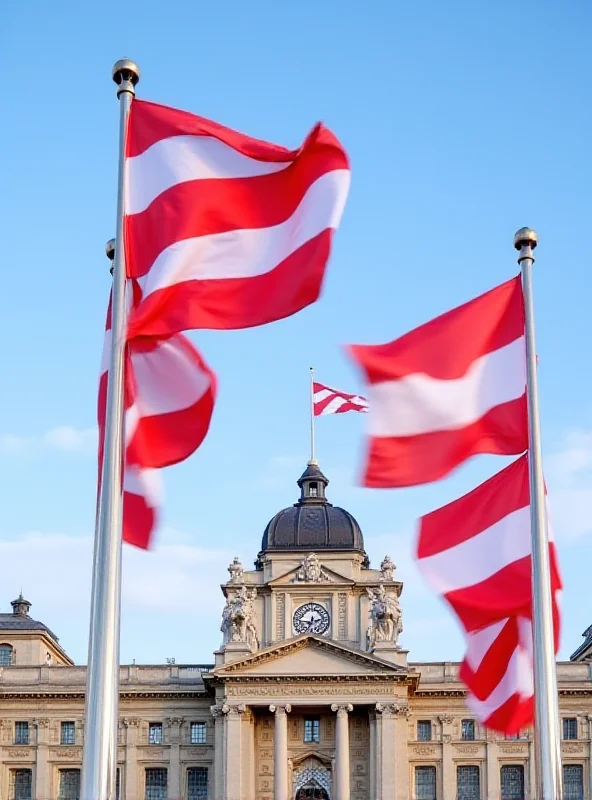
<point x="310" y="696"/>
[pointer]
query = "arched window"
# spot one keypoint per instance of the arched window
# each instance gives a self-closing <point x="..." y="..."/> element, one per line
<point x="6" y="652"/>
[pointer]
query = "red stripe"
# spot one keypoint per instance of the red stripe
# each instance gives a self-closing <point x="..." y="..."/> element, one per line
<point x="399" y="461"/>
<point x="476" y="511"/>
<point x="150" y="123"/>
<point x="204" y="207"/>
<point x="483" y="680"/>
<point x="445" y="347"/>
<point x="139" y="520"/>
<point x="513" y="716"/>
<point x="237" y="302"/>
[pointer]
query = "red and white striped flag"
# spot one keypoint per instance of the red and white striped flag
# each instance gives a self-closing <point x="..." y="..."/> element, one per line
<point x="447" y="390"/>
<point x="476" y="553"/>
<point x="331" y="401"/>
<point x="169" y="396"/>
<point x="222" y="230"/>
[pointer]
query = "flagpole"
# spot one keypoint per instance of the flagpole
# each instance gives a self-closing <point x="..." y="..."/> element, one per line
<point x="99" y="762"/>
<point x="312" y="425"/>
<point x="547" y="732"/>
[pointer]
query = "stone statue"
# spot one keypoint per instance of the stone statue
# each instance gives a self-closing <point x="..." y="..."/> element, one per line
<point x="311" y="571"/>
<point x="236" y="570"/>
<point x="386" y="620"/>
<point x="387" y="568"/>
<point x="238" y="618"/>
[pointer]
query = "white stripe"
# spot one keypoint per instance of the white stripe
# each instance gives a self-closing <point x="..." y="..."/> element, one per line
<point x="246" y="253"/>
<point x="488" y="552"/>
<point x="167" y="379"/>
<point x="419" y="404"/>
<point x="333" y="406"/>
<point x="478" y="643"/>
<point x="145" y="483"/>
<point x="518" y="678"/>
<point x="179" y="159"/>
<point x="322" y="394"/>
<point x="106" y="354"/>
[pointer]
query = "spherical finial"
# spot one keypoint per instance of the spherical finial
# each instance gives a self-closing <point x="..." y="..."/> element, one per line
<point x="126" y="74"/>
<point x="525" y="237"/>
<point x="110" y="249"/>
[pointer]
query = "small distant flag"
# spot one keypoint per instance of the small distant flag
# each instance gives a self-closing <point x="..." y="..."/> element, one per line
<point x="333" y="401"/>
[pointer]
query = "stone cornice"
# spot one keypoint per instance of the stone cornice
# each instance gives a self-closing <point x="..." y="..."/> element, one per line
<point x="278" y="680"/>
<point x="55" y="694"/>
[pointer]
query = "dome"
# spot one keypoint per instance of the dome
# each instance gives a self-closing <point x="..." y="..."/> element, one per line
<point x="312" y="523"/>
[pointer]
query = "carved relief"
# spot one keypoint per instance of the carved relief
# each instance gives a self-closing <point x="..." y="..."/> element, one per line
<point x="238" y="618"/>
<point x="512" y="748"/>
<point x="467" y="749"/>
<point x="387" y="568"/>
<point x="573" y="748"/>
<point x="424" y="750"/>
<point x="67" y="752"/>
<point x="18" y="753"/>
<point x="280" y="616"/>
<point x="307" y="690"/>
<point x="446" y="719"/>
<point x="341" y="615"/>
<point x="398" y="709"/>
<point x="234" y="710"/>
<point x="311" y="571"/>
<point x="386" y="620"/>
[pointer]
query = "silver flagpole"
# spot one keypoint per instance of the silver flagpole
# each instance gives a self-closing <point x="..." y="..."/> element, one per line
<point x="312" y="424"/>
<point x="99" y="761"/>
<point x="547" y="733"/>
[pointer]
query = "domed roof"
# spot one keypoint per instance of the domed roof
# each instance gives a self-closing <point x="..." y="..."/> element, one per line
<point x="313" y="523"/>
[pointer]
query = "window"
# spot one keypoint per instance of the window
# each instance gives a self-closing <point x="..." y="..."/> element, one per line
<point x="155" y="733"/>
<point x="21" y="733"/>
<point x="468" y="730"/>
<point x="468" y="783"/>
<point x="5" y="655"/>
<point x="512" y="782"/>
<point x="117" y="782"/>
<point x="197" y="783"/>
<point x="69" y="784"/>
<point x="68" y="733"/>
<point x="156" y="784"/>
<point x="312" y="730"/>
<point x="573" y="782"/>
<point x="198" y="733"/>
<point x="20" y="784"/>
<point x="314" y="490"/>
<point x="425" y="783"/>
<point x="424" y="730"/>
<point x="570" y="728"/>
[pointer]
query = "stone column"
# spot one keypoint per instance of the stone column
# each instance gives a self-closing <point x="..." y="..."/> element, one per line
<point x="132" y="726"/>
<point x="448" y="776"/>
<point x="232" y="749"/>
<point x="174" y="736"/>
<point x="42" y="789"/>
<point x="373" y="767"/>
<point x="493" y="768"/>
<point x="218" y="752"/>
<point x="280" y="751"/>
<point x="342" y="766"/>
<point x="392" y="763"/>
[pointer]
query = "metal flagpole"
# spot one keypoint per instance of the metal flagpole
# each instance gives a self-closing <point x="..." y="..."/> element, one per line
<point x="99" y="761"/>
<point x="312" y="425"/>
<point x="547" y="733"/>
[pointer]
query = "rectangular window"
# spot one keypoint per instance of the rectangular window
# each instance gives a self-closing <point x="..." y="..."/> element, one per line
<point x="117" y="782"/>
<point x="155" y="733"/>
<point x="570" y="728"/>
<point x="68" y="734"/>
<point x="21" y="733"/>
<point x="156" y="784"/>
<point x="512" y="782"/>
<point x="197" y="783"/>
<point x="468" y="730"/>
<point x="425" y="783"/>
<point x="312" y="730"/>
<point x="468" y="782"/>
<point x="198" y="733"/>
<point x="69" y="784"/>
<point x="424" y="730"/>
<point x="573" y="782"/>
<point x="5" y="655"/>
<point x="20" y="784"/>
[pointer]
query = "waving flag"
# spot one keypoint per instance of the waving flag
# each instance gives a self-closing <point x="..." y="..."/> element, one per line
<point x="476" y="553"/>
<point x="447" y="390"/>
<point x="332" y="401"/>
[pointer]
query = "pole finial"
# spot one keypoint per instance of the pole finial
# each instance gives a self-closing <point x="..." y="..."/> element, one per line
<point x="525" y="240"/>
<point x="110" y="252"/>
<point x="126" y="75"/>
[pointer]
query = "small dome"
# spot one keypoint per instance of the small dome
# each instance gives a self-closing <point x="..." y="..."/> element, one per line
<point x="313" y="523"/>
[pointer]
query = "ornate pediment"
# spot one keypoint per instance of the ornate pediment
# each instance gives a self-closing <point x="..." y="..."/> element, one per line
<point x="298" y="577"/>
<point x="308" y="656"/>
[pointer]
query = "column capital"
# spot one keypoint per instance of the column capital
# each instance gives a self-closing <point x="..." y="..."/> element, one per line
<point x="400" y="709"/>
<point x="235" y="710"/>
<point x="217" y="712"/>
<point x="172" y="721"/>
<point x="39" y="723"/>
<point x="446" y="719"/>
<point x="131" y="722"/>
<point x="283" y="709"/>
<point x="342" y="708"/>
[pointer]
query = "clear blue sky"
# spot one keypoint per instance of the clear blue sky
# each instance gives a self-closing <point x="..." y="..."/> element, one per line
<point x="463" y="121"/>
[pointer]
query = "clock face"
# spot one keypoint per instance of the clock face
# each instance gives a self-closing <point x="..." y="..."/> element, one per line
<point x="311" y="618"/>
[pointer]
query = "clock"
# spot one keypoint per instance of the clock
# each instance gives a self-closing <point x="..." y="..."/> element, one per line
<point x="311" y="618"/>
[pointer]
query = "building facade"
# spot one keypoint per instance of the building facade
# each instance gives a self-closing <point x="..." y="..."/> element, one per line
<point x="310" y="697"/>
